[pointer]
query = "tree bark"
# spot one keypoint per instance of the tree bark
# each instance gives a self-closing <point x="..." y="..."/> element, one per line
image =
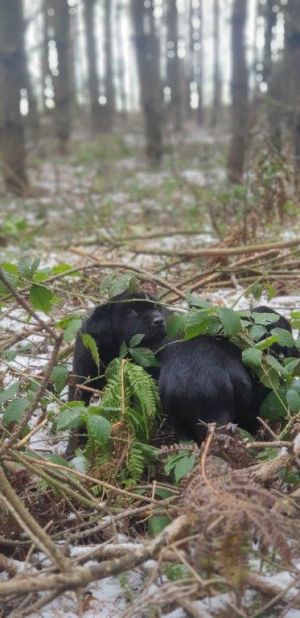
<point x="147" y="49"/>
<point x="63" y="80"/>
<point x="173" y="65"/>
<point x="292" y="46"/>
<point x="109" y="71"/>
<point x="199" y="79"/>
<point x="12" y="63"/>
<point x="270" y="21"/>
<point x="97" y="120"/>
<point x="217" y="85"/>
<point x="239" y="94"/>
<point x="120" y="58"/>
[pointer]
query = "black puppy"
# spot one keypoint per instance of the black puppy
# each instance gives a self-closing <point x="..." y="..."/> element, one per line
<point x="281" y="322"/>
<point x="204" y="379"/>
<point x="110" y="324"/>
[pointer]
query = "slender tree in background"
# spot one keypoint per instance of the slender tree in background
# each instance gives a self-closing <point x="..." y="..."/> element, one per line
<point x="173" y="64"/>
<point x="147" y="49"/>
<point x="109" y="68"/>
<point x="239" y="94"/>
<point x="46" y="73"/>
<point x="12" y="63"/>
<point x="32" y="119"/>
<point x="270" y="22"/>
<point x="199" y="64"/>
<point x="63" y="79"/>
<point x="120" y="56"/>
<point x="216" y="106"/>
<point x="292" y="47"/>
<point x="97" y="120"/>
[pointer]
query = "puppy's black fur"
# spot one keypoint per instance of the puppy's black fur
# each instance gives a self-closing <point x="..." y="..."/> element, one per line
<point x="110" y="324"/>
<point x="282" y="322"/>
<point x="204" y="379"/>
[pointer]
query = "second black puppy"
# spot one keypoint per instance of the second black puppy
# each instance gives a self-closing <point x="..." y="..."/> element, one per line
<point x="110" y="324"/>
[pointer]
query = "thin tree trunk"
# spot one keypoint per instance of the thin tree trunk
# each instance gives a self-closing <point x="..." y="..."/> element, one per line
<point x="270" y="21"/>
<point x="147" y="48"/>
<point x="62" y="81"/>
<point x="217" y="86"/>
<point x="239" y="93"/>
<point x="199" y="80"/>
<point x="46" y="73"/>
<point x="97" y="120"/>
<point x="12" y="62"/>
<point x="109" y="71"/>
<point x="292" y="45"/>
<point x="120" y="58"/>
<point x="173" y="65"/>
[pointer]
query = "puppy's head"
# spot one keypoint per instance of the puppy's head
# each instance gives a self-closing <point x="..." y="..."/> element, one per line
<point x="127" y="314"/>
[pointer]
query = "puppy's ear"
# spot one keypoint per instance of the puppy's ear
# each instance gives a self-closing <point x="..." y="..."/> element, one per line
<point x="99" y="324"/>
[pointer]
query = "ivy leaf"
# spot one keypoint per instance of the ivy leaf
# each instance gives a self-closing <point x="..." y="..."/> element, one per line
<point x="275" y="364"/>
<point x="14" y="411"/>
<point x="99" y="428"/>
<point x="90" y="343"/>
<point x="293" y="400"/>
<point x="9" y="392"/>
<point x="144" y="357"/>
<point x="121" y="284"/>
<point x="264" y="318"/>
<point x="252" y="357"/>
<point x="135" y="340"/>
<point x="59" y="377"/>
<point x="199" y="322"/>
<point x="273" y="406"/>
<point x="70" y="326"/>
<point x="257" y="331"/>
<point x="70" y="418"/>
<point x="59" y="269"/>
<point x="266" y="343"/>
<point x="41" y="298"/>
<point x="175" y="325"/>
<point x="230" y="320"/>
<point x="283" y="337"/>
<point x="157" y="523"/>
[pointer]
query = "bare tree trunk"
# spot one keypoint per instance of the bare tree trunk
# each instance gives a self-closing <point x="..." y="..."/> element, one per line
<point x="217" y="86"/>
<point x="292" y="45"/>
<point x="147" y="48"/>
<point x="63" y="80"/>
<point x="46" y="73"/>
<point x="239" y="93"/>
<point x="120" y="58"/>
<point x="200" y="65"/>
<point x="109" y="71"/>
<point x="97" y="120"/>
<point x="270" y="21"/>
<point x="12" y="62"/>
<point x="173" y="65"/>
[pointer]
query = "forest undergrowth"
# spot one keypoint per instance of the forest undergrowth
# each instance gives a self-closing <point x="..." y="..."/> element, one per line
<point x="210" y="531"/>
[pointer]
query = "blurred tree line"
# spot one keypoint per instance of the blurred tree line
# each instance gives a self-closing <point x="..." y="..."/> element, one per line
<point x="65" y="60"/>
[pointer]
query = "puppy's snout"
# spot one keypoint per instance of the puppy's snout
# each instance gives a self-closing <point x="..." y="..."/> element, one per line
<point x="158" y="320"/>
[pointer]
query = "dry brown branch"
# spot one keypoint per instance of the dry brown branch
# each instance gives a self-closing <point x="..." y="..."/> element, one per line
<point x="82" y="576"/>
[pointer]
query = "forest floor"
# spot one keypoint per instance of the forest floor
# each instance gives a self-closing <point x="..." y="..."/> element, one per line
<point x="103" y="210"/>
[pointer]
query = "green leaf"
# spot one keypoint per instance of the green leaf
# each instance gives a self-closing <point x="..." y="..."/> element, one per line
<point x="283" y="337"/>
<point x="291" y="365"/>
<point x="264" y="318"/>
<point x="14" y="411"/>
<point x="196" y="301"/>
<point x="256" y="332"/>
<point x="10" y="268"/>
<point x="230" y="320"/>
<point x="265" y="344"/>
<point x="90" y="343"/>
<point x="59" y="377"/>
<point x="274" y="407"/>
<point x="59" y="269"/>
<point x="199" y="322"/>
<point x="59" y="460"/>
<point x="135" y="340"/>
<point x="122" y="283"/>
<point x="41" y="298"/>
<point x="175" y="325"/>
<point x="99" y="428"/>
<point x="295" y="319"/>
<point x="71" y="418"/>
<point x="180" y="464"/>
<point x="275" y="364"/>
<point x="9" y="392"/>
<point x="157" y="523"/>
<point x="252" y="357"/>
<point x="293" y="400"/>
<point x="70" y="326"/>
<point x="144" y="357"/>
<point x="123" y="350"/>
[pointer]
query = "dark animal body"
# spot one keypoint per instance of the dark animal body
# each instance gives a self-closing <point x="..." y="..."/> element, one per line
<point x="110" y="324"/>
<point x="204" y="379"/>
